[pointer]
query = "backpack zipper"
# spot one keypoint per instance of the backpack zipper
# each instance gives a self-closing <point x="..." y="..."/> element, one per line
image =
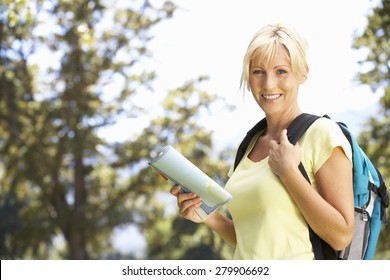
<point x="364" y="213"/>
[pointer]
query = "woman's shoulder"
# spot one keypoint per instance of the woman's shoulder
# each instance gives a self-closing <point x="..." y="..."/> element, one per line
<point x="321" y="138"/>
<point x="326" y="133"/>
<point x="325" y="126"/>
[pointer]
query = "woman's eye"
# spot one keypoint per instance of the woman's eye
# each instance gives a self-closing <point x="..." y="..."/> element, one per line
<point x="258" y="72"/>
<point x="281" y="71"/>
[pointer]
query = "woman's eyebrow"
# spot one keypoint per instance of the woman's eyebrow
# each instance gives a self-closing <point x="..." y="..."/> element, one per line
<point x="282" y="65"/>
<point x="277" y="66"/>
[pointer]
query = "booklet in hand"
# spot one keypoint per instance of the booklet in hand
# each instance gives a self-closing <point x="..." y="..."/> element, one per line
<point x="178" y="170"/>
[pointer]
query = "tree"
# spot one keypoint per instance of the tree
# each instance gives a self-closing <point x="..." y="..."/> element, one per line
<point x="55" y="175"/>
<point x="16" y="115"/>
<point x="169" y="236"/>
<point x="59" y="177"/>
<point x="375" y="72"/>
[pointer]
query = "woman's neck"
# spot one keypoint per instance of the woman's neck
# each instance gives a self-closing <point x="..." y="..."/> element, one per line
<point x="276" y="123"/>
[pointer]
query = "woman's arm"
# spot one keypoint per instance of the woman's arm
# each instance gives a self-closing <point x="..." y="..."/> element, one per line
<point x="330" y="211"/>
<point x="188" y="202"/>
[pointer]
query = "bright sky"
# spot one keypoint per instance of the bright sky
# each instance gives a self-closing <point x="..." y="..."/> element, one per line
<point x="209" y="37"/>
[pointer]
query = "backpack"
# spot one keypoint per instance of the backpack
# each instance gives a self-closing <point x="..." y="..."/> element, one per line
<point x="370" y="193"/>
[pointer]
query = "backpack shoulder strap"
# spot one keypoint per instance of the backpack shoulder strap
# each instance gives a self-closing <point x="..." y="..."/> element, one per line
<point x="294" y="131"/>
<point x="299" y="125"/>
<point x="261" y="125"/>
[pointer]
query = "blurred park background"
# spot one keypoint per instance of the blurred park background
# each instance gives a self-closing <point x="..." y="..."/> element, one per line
<point x="91" y="89"/>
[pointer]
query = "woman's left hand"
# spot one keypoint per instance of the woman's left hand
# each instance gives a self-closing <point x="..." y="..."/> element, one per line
<point x="283" y="157"/>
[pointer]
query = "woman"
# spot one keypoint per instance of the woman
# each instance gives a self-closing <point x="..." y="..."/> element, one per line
<point x="273" y="203"/>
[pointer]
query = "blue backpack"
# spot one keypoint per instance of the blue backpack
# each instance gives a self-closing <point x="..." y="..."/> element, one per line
<point x="370" y="194"/>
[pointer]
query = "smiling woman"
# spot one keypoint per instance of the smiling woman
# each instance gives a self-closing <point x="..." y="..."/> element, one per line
<point x="195" y="43"/>
<point x="274" y="66"/>
<point x="272" y="203"/>
<point x="264" y="52"/>
<point x="273" y="83"/>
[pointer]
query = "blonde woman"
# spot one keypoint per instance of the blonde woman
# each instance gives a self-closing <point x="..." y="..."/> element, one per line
<point x="273" y="204"/>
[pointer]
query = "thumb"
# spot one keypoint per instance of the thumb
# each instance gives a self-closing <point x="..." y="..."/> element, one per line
<point x="283" y="136"/>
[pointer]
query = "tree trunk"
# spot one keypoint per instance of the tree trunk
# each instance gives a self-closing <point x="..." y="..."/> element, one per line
<point x="76" y="245"/>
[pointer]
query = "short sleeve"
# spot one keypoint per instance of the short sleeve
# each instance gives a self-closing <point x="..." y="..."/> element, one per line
<point x="319" y="141"/>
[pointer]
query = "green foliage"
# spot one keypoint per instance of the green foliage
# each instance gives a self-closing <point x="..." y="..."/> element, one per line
<point x="68" y="69"/>
<point x="169" y="237"/>
<point x="375" y="72"/>
<point x="375" y="40"/>
<point x="55" y="172"/>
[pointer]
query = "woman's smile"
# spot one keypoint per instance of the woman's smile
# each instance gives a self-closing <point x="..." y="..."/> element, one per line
<point x="271" y="97"/>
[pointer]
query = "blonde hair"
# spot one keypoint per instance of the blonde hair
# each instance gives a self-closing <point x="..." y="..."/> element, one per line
<point x="265" y="44"/>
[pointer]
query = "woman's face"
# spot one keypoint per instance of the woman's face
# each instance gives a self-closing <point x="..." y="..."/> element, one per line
<point x="273" y="85"/>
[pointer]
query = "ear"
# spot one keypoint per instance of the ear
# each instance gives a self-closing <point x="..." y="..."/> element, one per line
<point x="302" y="80"/>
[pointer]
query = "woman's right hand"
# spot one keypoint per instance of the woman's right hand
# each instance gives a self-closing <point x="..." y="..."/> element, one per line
<point x="187" y="203"/>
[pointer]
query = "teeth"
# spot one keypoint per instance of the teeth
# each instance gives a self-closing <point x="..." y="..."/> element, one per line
<point x="271" y="97"/>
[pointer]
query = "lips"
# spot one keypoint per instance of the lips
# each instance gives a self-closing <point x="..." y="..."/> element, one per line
<point x="271" y="96"/>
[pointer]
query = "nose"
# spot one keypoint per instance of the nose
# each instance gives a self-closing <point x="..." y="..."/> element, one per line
<point x="269" y="82"/>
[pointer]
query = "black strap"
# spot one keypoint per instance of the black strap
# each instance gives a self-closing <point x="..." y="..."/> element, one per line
<point x="261" y="125"/>
<point x="299" y="126"/>
<point x="382" y="192"/>
<point x="321" y="250"/>
<point x="294" y="131"/>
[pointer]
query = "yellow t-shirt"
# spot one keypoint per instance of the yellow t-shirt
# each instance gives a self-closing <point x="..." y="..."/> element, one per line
<point x="268" y="223"/>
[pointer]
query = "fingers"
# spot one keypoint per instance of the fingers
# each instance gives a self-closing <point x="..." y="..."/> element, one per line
<point x="283" y="136"/>
<point x="186" y="202"/>
<point x="283" y="140"/>
<point x="273" y="144"/>
<point x="175" y="190"/>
